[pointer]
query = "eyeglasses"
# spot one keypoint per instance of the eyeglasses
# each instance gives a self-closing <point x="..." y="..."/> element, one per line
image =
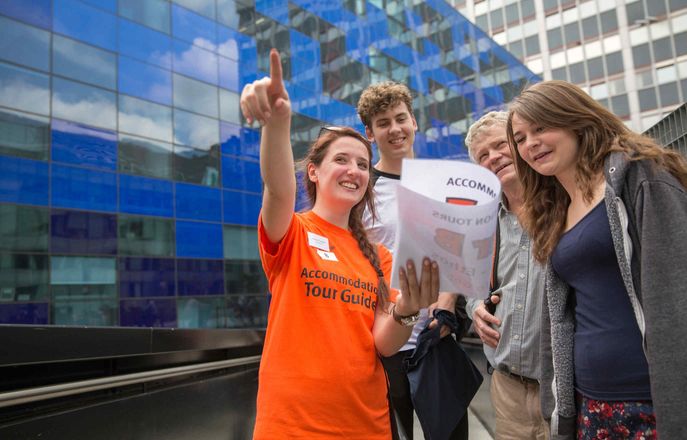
<point x="347" y="131"/>
<point x="326" y="128"/>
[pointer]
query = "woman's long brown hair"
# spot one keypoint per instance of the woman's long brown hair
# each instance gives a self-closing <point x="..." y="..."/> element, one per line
<point x="315" y="155"/>
<point x="558" y="104"/>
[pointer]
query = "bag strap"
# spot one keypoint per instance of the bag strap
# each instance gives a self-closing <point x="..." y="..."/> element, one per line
<point x="495" y="258"/>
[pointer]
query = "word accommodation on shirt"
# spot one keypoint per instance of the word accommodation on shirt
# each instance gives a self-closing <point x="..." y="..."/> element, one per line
<point x="321" y="284"/>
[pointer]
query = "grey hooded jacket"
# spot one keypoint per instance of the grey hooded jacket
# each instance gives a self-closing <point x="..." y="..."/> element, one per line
<point x="647" y="212"/>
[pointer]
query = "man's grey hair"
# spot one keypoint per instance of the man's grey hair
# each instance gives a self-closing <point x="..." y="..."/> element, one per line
<point x="485" y="122"/>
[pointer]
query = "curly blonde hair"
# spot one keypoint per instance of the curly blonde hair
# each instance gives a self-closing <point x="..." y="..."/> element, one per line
<point x="380" y="97"/>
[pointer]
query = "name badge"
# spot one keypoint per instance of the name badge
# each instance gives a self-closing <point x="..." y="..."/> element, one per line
<point x="318" y="241"/>
<point x="329" y="256"/>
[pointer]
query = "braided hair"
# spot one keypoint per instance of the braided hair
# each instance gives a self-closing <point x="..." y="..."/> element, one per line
<point x="315" y="156"/>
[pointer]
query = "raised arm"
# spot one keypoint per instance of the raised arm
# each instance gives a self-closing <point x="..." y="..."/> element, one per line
<point x="267" y="102"/>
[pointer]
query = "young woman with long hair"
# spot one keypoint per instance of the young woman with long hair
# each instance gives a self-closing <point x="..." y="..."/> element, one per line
<point x="606" y="209"/>
<point x="331" y="312"/>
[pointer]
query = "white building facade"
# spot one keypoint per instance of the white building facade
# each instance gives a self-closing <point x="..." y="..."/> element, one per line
<point x="630" y="55"/>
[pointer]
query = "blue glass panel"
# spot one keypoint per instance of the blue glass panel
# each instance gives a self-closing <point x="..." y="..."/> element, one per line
<point x="245" y="276"/>
<point x="36" y="12"/>
<point x="89" y="105"/>
<point x="196" y="96"/>
<point x="139" y="235"/>
<point x="230" y="138"/>
<point x="205" y="7"/>
<point x="145" y="157"/>
<point x="84" y="62"/>
<point x="229" y="107"/>
<point x="24" y="229"/>
<point x="246" y="311"/>
<point x="249" y="61"/>
<point x="198" y="202"/>
<point x="36" y="313"/>
<point x="277" y="10"/>
<point x="153" y="13"/>
<point x="194" y="28"/>
<point x="23" y="181"/>
<point x="98" y="312"/>
<point x="24" y="90"/>
<point x="195" y="131"/>
<point x="23" y="277"/>
<point x="82" y="271"/>
<point x="82" y="279"/>
<point x="148" y="313"/>
<point x="201" y="312"/>
<point x="78" y="232"/>
<point x="241" y="243"/>
<point x="195" y="62"/>
<point x="85" y="23"/>
<point x="227" y="13"/>
<point x="145" y="44"/>
<point x="229" y="76"/>
<point x="109" y="5"/>
<point x="83" y="189"/>
<point x="199" y="240"/>
<point x="241" y="208"/>
<point x="241" y="174"/>
<point x="141" y="195"/>
<point x="228" y="42"/>
<point x="24" y="44"/>
<point x="141" y="277"/>
<point x="197" y="166"/>
<point x="144" y="80"/>
<point x="200" y="277"/>
<point x="24" y="135"/>
<point x="145" y="118"/>
<point x="81" y="145"/>
<point x="239" y="141"/>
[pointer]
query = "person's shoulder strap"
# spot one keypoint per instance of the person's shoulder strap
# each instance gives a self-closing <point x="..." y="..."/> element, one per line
<point x="376" y="174"/>
<point x="495" y="258"/>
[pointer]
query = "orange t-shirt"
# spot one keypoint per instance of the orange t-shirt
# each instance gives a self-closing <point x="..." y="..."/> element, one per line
<point x="320" y="376"/>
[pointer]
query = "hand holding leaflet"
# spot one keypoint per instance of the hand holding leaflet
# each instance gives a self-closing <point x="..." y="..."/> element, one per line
<point x="447" y="211"/>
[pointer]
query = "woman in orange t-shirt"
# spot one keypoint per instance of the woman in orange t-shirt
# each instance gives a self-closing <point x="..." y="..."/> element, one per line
<point x="330" y="314"/>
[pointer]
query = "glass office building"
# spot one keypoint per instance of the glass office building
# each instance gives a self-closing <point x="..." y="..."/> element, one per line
<point x="630" y="55"/>
<point x="129" y="184"/>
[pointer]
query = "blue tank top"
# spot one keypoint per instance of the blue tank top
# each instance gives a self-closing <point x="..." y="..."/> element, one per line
<point x="609" y="360"/>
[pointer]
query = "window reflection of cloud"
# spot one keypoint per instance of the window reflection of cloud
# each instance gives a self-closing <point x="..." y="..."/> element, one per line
<point x="18" y="93"/>
<point x="145" y="118"/>
<point x="229" y="48"/>
<point x="145" y="125"/>
<point x="74" y="53"/>
<point x="158" y="92"/>
<point x="195" y="96"/>
<point x="92" y="110"/>
<point x="205" y="7"/>
<point x="157" y="148"/>
<point x="198" y="62"/>
<point x="196" y="131"/>
<point x="160" y="58"/>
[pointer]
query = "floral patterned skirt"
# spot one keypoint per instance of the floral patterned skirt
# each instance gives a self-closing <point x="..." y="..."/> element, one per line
<point x="598" y="419"/>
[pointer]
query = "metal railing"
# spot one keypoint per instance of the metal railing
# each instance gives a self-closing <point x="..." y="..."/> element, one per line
<point x="671" y="131"/>
<point x="30" y="395"/>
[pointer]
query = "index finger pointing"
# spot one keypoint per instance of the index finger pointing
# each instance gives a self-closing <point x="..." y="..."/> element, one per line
<point x="275" y="69"/>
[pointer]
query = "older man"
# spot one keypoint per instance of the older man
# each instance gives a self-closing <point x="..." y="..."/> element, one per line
<point x="511" y="333"/>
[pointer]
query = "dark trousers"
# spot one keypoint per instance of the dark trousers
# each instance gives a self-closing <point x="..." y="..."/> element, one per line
<point x="399" y="390"/>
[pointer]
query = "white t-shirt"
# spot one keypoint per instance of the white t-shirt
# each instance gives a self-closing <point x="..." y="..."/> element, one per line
<point x="383" y="229"/>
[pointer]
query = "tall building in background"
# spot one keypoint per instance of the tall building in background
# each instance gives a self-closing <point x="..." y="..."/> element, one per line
<point x="129" y="185"/>
<point x="629" y="55"/>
